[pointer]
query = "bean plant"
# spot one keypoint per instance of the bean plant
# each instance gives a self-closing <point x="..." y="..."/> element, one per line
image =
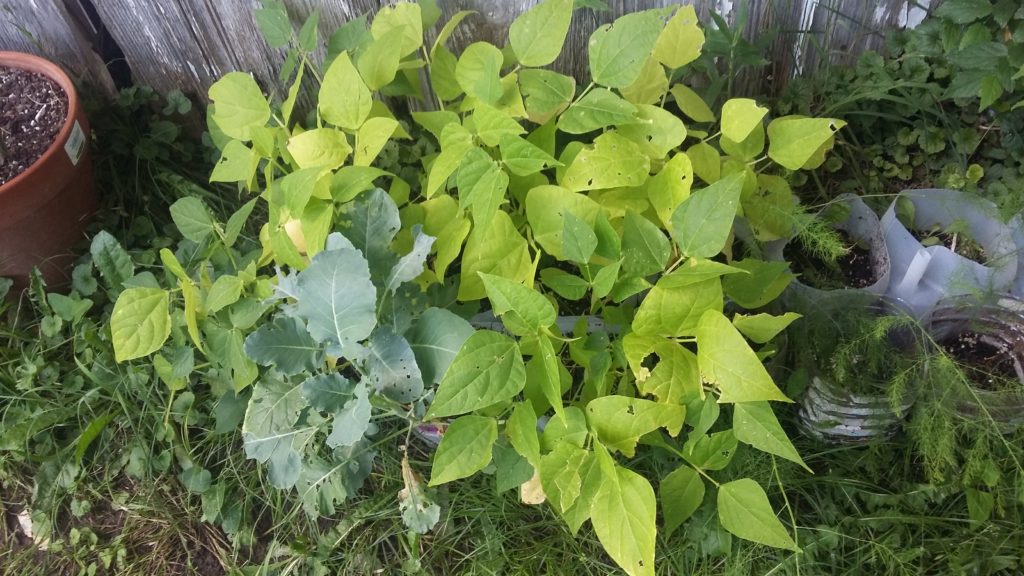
<point x="342" y="323"/>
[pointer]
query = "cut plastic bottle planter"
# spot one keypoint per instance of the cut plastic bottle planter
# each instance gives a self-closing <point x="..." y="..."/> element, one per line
<point x="862" y="407"/>
<point x="923" y="275"/>
<point x="862" y="225"/>
<point x="1017" y="229"/>
<point x="998" y="323"/>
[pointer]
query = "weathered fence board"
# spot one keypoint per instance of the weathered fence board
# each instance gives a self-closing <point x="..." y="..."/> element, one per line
<point x="188" y="44"/>
<point x="45" y="28"/>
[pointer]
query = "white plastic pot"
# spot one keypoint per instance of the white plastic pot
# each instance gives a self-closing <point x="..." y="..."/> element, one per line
<point x="921" y="276"/>
<point x="863" y="225"/>
<point x="1017" y="230"/>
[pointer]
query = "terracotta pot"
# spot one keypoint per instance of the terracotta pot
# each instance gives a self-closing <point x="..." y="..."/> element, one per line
<point x="44" y="210"/>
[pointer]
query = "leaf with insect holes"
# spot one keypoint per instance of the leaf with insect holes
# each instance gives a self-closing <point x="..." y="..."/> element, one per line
<point x="488" y="369"/>
<point x="614" y="161"/>
<point x="623" y="515"/>
<point x="620" y="421"/>
<point x="667" y="189"/>
<point x="617" y="51"/>
<point x="560" y="474"/>
<point x="404" y="16"/>
<point x="537" y="35"/>
<point x="419" y="513"/>
<point x="465" y="448"/>
<point x="656" y="131"/>
<point x="323" y="483"/>
<point x="390" y="366"/>
<point x="681" y="40"/>
<point x="726" y="360"/>
<point x="328" y="392"/>
<point x="140" y="322"/>
<point x="739" y="116"/>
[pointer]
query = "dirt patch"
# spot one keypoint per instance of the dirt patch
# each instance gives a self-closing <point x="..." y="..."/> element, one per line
<point x="851" y="270"/>
<point x="958" y="242"/>
<point x="987" y="366"/>
<point x="32" y="111"/>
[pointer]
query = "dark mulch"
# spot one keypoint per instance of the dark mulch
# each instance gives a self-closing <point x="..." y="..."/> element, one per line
<point x="852" y="270"/>
<point x="987" y="366"/>
<point x="32" y="111"/>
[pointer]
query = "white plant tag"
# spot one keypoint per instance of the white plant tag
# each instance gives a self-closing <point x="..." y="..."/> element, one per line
<point x="75" y="145"/>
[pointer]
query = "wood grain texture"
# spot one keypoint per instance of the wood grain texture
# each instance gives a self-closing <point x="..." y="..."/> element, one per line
<point x="45" y="28"/>
<point x="188" y="44"/>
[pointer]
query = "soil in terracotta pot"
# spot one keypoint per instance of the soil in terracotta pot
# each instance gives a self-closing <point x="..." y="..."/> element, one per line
<point x="32" y="111"/>
<point x="851" y="270"/>
<point x="987" y="366"/>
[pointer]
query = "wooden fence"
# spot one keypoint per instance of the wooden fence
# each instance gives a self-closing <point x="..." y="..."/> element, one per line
<point x="188" y="44"/>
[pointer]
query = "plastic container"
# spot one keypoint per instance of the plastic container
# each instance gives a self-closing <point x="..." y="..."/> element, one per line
<point x="1017" y="230"/>
<point x="921" y="276"/>
<point x="840" y="412"/>
<point x="862" y="224"/>
<point x="44" y="210"/>
<point x="831" y="414"/>
<point x="999" y="323"/>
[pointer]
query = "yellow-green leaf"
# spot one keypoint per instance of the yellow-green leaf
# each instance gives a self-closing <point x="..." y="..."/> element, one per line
<point x="345" y="100"/>
<point x="140" y="322"/>
<point x="726" y="360"/>
<point x="681" y="40"/>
